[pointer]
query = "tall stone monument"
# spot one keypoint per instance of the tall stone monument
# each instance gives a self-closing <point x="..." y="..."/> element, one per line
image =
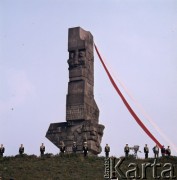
<point x="82" y="113"/>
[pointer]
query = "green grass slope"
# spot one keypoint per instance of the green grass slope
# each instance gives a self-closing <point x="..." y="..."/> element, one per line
<point x="71" y="167"/>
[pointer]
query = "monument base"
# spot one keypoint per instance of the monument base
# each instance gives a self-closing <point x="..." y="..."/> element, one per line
<point x="79" y="132"/>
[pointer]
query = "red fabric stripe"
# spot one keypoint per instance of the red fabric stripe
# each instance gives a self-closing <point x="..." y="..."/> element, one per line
<point x="126" y="103"/>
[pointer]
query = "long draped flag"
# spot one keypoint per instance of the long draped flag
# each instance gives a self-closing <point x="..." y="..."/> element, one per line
<point x="126" y="103"/>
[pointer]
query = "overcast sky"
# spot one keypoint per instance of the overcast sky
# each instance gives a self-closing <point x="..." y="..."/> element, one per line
<point x="137" y="38"/>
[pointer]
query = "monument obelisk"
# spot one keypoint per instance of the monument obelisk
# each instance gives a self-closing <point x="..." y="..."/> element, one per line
<point x="82" y="113"/>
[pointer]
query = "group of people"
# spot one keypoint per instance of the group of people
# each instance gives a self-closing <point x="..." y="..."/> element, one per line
<point x="2" y="150"/>
<point x="74" y="148"/>
<point x="21" y="149"/>
<point x="42" y="149"/>
<point x="164" y="152"/>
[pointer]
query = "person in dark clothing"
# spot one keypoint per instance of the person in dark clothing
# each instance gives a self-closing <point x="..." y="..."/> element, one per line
<point x="2" y="150"/>
<point x="42" y="149"/>
<point x="21" y="149"/>
<point x="168" y="151"/>
<point x="126" y="150"/>
<point x="146" y="151"/>
<point x="62" y="149"/>
<point x="163" y="151"/>
<point x="107" y="150"/>
<point x="156" y="151"/>
<point x="85" y="149"/>
<point x="74" y="148"/>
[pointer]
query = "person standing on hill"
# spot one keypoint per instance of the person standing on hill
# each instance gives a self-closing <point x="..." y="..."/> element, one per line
<point x="156" y="151"/>
<point x="126" y="150"/>
<point x="163" y="151"/>
<point x="74" y="147"/>
<point x="2" y="150"/>
<point x="62" y="148"/>
<point x="42" y="149"/>
<point x="146" y="151"/>
<point x="107" y="150"/>
<point x="21" y="149"/>
<point x="85" y="149"/>
<point x="168" y="151"/>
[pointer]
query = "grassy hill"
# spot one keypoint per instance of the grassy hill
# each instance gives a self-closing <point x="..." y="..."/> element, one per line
<point x="69" y="167"/>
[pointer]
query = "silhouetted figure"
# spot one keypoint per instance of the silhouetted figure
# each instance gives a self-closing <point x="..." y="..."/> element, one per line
<point x="156" y="151"/>
<point x="2" y="150"/>
<point x="146" y="151"/>
<point x="168" y="151"/>
<point x="163" y="151"/>
<point x="62" y="148"/>
<point x="21" y="149"/>
<point x="42" y="149"/>
<point x="74" y="147"/>
<point x="107" y="150"/>
<point x="126" y="150"/>
<point x="85" y="149"/>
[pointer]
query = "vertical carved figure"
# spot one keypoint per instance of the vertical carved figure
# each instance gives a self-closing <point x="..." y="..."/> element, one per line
<point x="80" y="100"/>
<point x="82" y="113"/>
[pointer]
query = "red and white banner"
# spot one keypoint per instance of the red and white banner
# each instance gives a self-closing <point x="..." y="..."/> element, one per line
<point x="126" y="103"/>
